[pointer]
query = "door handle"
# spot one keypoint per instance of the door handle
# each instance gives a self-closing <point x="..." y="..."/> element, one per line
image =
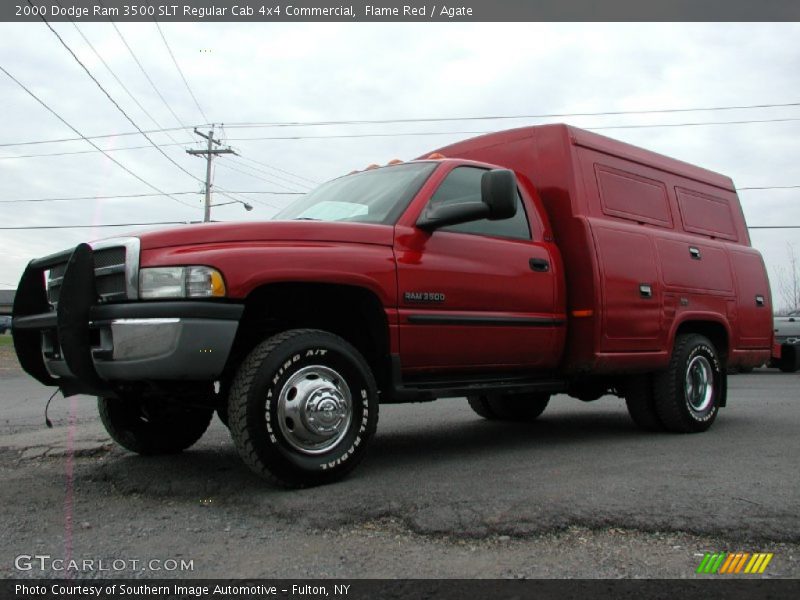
<point x="646" y="290"/>
<point x="694" y="253"/>
<point x="539" y="264"/>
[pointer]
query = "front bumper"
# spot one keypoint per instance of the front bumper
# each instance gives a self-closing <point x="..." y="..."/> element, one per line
<point x="86" y="347"/>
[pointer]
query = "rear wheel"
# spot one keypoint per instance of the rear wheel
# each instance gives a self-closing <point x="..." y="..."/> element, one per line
<point x="789" y="363"/>
<point x="689" y="393"/>
<point x="152" y="425"/>
<point x="640" y="400"/>
<point x="508" y="407"/>
<point x="302" y="408"/>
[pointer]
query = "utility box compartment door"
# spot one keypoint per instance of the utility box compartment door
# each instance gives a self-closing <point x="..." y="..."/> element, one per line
<point x="754" y="316"/>
<point x="632" y="295"/>
<point x="694" y="266"/>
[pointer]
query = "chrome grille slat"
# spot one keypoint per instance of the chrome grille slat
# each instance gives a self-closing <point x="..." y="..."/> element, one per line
<point x="116" y="265"/>
<point x="110" y="270"/>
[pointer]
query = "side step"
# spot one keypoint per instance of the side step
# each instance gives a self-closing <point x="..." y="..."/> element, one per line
<point x="421" y="390"/>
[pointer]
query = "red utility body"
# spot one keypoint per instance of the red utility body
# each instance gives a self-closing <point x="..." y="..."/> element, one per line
<point x="622" y="217"/>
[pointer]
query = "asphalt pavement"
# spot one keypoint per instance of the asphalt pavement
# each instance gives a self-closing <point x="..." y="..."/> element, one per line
<point x="441" y="493"/>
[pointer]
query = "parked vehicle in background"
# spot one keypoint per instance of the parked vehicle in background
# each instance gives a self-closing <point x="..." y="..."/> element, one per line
<point x="786" y="348"/>
<point x="787" y="329"/>
<point x="5" y="323"/>
<point x="506" y="269"/>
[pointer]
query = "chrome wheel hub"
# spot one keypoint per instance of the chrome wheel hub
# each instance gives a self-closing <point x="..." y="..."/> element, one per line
<point x="699" y="384"/>
<point x="315" y="409"/>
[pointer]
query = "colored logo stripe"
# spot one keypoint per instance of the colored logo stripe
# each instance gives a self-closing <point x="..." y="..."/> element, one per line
<point x="711" y="562"/>
<point x="734" y="563"/>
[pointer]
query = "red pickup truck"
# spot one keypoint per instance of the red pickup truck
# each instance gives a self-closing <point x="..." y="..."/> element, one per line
<point x="505" y="269"/>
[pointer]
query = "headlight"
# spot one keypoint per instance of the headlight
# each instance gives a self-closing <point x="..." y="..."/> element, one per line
<point x="181" y="282"/>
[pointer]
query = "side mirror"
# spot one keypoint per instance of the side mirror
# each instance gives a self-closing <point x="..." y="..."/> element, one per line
<point x="452" y="214"/>
<point x="498" y="201"/>
<point x="499" y="193"/>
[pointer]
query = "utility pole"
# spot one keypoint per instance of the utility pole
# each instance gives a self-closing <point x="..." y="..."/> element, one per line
<point x="209" y="153"/>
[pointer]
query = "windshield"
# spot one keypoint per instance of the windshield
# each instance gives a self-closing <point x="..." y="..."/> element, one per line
<point x="375" y="196"/>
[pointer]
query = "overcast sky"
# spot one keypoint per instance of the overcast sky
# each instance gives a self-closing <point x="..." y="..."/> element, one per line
<point x="267" y="73"/>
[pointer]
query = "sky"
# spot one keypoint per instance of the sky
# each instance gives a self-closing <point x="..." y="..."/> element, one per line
<point x="318" y="72"/>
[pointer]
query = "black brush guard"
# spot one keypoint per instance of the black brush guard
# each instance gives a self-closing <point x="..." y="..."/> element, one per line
<point x="32" y="316"/>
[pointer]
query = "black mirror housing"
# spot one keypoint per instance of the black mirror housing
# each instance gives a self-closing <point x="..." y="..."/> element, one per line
<point x="499" y="193"/>
<point x="498" y="201"/>
<point x="453" y="214"/>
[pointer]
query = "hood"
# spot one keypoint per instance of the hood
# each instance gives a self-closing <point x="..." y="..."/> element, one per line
<point x="317" y="231"/>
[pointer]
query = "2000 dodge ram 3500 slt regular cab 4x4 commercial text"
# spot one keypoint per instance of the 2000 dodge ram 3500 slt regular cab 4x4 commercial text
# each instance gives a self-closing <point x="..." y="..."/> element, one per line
<point x="505" y="268"/>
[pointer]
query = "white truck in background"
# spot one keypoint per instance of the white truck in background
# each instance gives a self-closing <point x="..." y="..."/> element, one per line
<point x="786" y="349"/>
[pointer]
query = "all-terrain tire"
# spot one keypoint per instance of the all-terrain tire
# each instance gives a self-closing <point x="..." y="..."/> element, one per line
<point x="153" y="426"/>
<point x="507" y="407"/>
<point x="641" y="403"/>
<point x="691" y="390"/>
<point x="302" y="408"/>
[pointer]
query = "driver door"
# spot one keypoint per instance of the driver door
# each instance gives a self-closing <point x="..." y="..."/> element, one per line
<point x="478" y="295"/>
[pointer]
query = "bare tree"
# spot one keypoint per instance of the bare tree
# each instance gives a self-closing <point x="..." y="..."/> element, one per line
<point x="789" y="281"/>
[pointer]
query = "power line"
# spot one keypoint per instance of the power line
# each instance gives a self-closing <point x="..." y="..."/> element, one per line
<point x="268" y="174"/>
<point x="252" y="170"/>
<point x="144" y="147"/>
<point x="129" y="196"/>
<point x="272" y="193"/>
<point x="28" y="227"/>
<point x="260" y="170"/>
<point x="114" y="102"/>
<point x="180" y="71"/>
<point x="120" y="196"/>
<point x="503" y="117"/>
<point x="314" y="181"/>
<point x="45" y="155"/>
<point x="698" y="124"/>
<point x="773" y="226"/>
<point x="103" y="225"/>
<point x="119" y="81"/>
<point x="433" y="133"/>
<point x="437" y="119"/>
<point x="225" y="165"/>
<point x="264" y="192"/>
<point x="111" y="158"/>
<point x="770" y="187"/>
<point x="144" y="72"/>
<point x="95" y="137"/>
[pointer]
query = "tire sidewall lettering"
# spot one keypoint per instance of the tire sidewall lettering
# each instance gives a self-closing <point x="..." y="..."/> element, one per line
<point x="273" y="379"/>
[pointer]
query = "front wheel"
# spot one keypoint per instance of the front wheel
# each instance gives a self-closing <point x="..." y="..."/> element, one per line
<point x="153" y="426"/>
<point x="302" y="408"/>
<point x="689" y="393"/>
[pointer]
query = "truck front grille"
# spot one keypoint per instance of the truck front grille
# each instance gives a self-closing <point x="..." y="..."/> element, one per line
<point x="115" y="268"/>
